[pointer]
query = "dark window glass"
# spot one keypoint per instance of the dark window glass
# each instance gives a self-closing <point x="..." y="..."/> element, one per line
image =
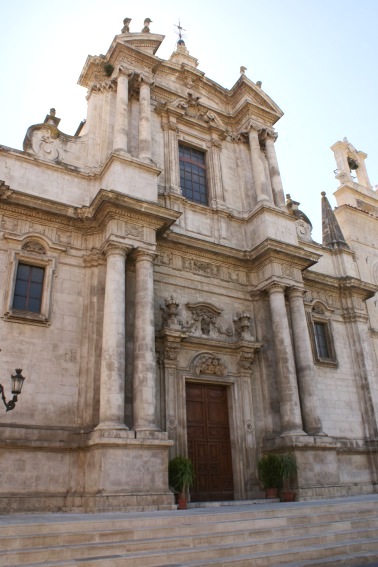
<point x="193" y="174"/>
<point x="321" y="340"/>
<point x="28" y="288"/>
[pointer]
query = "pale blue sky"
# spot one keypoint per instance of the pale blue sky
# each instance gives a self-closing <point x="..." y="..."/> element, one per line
<point x="315" y="58"/>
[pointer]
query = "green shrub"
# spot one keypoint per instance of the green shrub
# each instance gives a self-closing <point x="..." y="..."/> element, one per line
<point x="181" y="474"/>
<point x="269" y="471"/>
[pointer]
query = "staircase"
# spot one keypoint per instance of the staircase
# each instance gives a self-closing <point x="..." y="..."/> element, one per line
<point x="324" y="532"/>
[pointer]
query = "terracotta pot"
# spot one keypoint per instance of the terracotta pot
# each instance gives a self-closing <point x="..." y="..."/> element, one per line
<point x="287" y="495"/>
<point x="271" y="492"/>
<point x="182" y="502"/>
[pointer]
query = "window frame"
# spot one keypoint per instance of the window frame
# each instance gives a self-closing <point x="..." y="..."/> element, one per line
<point x="33" y="288"/>
<point x="205" y="176"/>
<point x="319" y="316"/>
<point x="37" y="260"/>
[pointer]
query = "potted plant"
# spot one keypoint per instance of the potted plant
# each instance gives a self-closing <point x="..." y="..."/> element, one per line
<point x="288" y="470"/>
<point x="181" y="478"/>
<point x="269" y="474"/>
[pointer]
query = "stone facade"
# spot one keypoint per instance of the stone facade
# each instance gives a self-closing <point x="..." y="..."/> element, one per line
<point x="146" y="290"/>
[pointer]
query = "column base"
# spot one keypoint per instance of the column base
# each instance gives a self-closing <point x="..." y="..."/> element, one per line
<point x="293" y="432"/>
<point x="111" y="425"/>
<point x="147" y="159"/>
<point x="121" y="151"/>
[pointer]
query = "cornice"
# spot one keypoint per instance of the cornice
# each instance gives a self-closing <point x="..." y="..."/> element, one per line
<point x="275" y="249"/>
<point x="347" y="283"/>
<point x="106" y="205"/>
<point x="93" y="70"/>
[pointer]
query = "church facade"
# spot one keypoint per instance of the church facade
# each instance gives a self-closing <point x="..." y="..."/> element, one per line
<point x="164" y="298"/>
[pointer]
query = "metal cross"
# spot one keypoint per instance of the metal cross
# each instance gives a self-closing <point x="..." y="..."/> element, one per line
<point x="181" y="29"/>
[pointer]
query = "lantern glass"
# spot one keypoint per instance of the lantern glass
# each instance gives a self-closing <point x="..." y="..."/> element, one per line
<point x="17" y="381"/>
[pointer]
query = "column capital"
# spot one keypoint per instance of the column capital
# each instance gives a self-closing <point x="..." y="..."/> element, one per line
<point x="254" y="127"/>
<point x="114" y="248"/>
<point x="296" y="291"/>
<point x="141" y="254"/>
<point x="146" y="80"/>
<point x="276" y="287"/>
<point x="271" y="135"/>
<point x="125" y="71"/>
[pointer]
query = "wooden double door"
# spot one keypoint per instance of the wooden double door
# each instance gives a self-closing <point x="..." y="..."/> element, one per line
<point x="209" y="445"/>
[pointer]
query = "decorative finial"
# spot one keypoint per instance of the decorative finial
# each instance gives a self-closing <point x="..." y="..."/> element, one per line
<point x="52" y="111"/>
<point x="126" y="25"/>
<point x="147" y="23"/>
<point x="323" y="193"/>
<point x="259" y="84"/>
<point x="180" y="34"/>
<point x="243" y="70"/>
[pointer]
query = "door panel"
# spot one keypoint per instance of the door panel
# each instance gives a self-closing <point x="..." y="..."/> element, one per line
<point x="209" y="445"/>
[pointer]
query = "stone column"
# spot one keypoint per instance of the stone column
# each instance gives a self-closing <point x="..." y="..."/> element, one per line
<point x="291" y="420"/>
<point x="257" y="165"/>
<point x="112" y="387"/>
<point x="121" y="113"/>
<point x="144" y="381"/>
<point x="274" y="172"/>
<point x="304" y="363"/>
<point x="145" y="119"/>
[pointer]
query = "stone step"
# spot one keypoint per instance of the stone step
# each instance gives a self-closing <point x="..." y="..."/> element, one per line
<point x="58" y="523"/>
<point x="287" y="533"/>
<point x="220" y="544"/>
<point x="251" y="528"/>
<point x="228" y="556"/>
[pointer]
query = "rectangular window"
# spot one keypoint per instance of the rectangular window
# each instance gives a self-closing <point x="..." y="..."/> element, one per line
<point x="28" y="288"/>
<point x="321" y="340"/>
<point x="193" y="174"/>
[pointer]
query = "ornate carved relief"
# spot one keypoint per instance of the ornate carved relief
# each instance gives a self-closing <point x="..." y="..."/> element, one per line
<point x="35" y="227"/>
<point x="249" y="427"/>
<point x="246" y="359"/>
<point x="171" y="423"/>
<point x="133" y="230"/>
<point x="165" y="259"/>
<point x="327" y="298"/>
<point x="64" y="237"/>
<point x="34" y="246"/>
<point x="204" y="320"/>
<point x="171" y="349"/>
<point x="71" y="355"/>
<point x="9" y="224"/>
<point x="288" y="271"/>
<point x="210" y="364"/>
<point x="200" y="267"/>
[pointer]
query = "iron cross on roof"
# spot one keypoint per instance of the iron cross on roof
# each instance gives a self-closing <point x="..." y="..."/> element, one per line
<point x="180" y="30"/>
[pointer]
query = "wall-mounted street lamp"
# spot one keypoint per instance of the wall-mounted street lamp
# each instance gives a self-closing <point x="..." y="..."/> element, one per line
<point x="17" y="382"/>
